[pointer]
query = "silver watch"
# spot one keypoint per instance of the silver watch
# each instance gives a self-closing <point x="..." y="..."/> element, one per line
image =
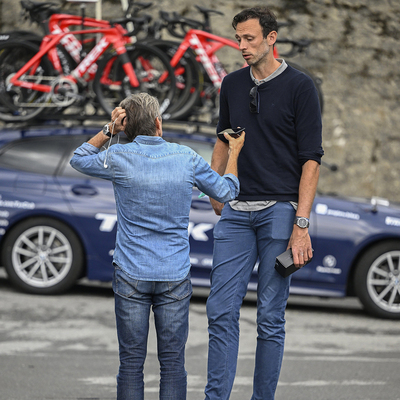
<point x="106" y="130"/>
<point x="302" y="222"/>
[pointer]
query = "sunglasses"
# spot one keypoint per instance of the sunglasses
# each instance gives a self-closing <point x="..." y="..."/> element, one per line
<point x="254" y="100"/>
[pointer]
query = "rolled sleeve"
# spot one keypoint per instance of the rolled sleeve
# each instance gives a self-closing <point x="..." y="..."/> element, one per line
<point x="309" y="125"/>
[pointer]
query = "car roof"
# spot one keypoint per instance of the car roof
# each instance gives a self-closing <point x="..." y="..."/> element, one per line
<point x="9" y="134"/>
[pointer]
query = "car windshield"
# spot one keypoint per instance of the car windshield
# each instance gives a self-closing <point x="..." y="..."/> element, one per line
<point x="45" y="155"/>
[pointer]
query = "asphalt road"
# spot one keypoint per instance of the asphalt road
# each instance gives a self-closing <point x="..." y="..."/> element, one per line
<point x="65" y="347"/>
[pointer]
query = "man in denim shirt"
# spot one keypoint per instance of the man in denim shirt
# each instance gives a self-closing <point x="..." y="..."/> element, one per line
<point x="153" y="182"/>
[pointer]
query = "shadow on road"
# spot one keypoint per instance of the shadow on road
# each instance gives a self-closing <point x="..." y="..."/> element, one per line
<point x="347" y="306"/>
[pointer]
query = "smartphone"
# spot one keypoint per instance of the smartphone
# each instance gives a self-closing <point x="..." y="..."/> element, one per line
<point x="237" y="133"/>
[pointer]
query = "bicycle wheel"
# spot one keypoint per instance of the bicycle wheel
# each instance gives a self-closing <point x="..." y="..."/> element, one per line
<point x="189" y="80"/>
<point x="152" y="69"/>
<point x="317" y="82"/>
<point x="16" y="103"/>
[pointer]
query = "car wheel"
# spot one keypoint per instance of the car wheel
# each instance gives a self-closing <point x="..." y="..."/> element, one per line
<point x="377" y="280"/>
<point x="43" y="256"/>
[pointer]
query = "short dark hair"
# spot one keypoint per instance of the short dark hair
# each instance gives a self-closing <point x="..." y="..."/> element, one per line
<point x="264" y="15"/>
<point x="141" y="113"/>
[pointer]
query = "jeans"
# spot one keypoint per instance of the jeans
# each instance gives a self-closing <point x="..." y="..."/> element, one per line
<point x="170" y="302"/>
<point x="240" y="239"/>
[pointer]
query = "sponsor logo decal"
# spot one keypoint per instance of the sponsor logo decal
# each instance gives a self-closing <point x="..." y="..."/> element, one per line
<point x="391" y="221"/>
<point x="323" y="209"/>
<point x="27" y="205"/>
<point x="198" y="232"/>
<point x="329" y="266"/>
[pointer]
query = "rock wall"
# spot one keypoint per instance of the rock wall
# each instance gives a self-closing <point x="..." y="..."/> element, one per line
<point x="356" y="53"/>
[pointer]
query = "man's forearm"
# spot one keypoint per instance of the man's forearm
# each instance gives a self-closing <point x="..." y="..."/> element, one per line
<point x="307" y="188"/>
<point x="300" y="241"/>
<point x="99" y="140"/>
<point x="231" y="166"/>
<point x="220" y="157"/>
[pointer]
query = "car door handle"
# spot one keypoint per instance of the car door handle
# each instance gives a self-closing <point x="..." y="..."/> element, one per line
<point x="84" y="190"/>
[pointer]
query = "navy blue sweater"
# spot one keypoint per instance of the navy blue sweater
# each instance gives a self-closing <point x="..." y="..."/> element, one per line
<point x="280" y="139"/>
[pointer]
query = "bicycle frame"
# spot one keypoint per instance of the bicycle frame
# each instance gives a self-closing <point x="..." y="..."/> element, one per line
<point x="205" y="45"/>
<point x="111" y="36"/>
<point x="60" y="23"/>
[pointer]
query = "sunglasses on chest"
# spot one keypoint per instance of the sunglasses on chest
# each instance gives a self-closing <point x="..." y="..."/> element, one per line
<point x="254" y="100"/>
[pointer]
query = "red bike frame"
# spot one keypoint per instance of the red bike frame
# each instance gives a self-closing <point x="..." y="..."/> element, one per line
<point x="110" y="36"/>
<point x="59" y="23"/>
<point x="206" y="45"/>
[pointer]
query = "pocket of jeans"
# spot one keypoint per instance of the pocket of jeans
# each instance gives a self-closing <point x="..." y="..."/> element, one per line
<point x="282" y="225"/>
<point x="181" y="289"/>
<point x="122" y="284"/>
<point x="219" y="228"/>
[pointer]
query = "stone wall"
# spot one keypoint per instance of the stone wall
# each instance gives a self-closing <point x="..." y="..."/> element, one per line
<point x="355" y="51"/>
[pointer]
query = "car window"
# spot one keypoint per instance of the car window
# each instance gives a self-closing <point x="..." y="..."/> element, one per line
<point x="38" y="155"/>
<point x="70" y="172"/>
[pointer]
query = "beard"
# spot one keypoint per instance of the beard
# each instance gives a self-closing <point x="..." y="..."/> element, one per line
<point x="259" y="57"/>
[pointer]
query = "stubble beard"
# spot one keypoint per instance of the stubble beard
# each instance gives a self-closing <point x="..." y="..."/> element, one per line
<point x="259" y="58"/>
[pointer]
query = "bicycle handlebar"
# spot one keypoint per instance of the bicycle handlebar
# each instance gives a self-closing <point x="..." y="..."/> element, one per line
<point x="134" y="8"/>
<point x="206" y="15"/>
<point x="143" y="20"/>
<point x="298" y="46"/>
<point x="177" y="21"/>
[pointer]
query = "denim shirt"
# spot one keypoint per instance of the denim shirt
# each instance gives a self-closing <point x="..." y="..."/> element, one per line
<point x="153" y="182"/>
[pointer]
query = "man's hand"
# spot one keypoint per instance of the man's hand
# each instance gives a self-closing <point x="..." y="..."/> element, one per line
<point x="235" y="144"/>
<point x="217" y="206"/>
<point x="300" y="243"/>
<point x="118" y="116"/>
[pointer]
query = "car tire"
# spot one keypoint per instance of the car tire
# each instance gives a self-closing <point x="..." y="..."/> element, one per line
<point x="43" y="256"/>
<point x="377" y="280"/>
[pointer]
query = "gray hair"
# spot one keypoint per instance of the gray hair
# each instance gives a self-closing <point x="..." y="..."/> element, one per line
<point x="141" y="113"/>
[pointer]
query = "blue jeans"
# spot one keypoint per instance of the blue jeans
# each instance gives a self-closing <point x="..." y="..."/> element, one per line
<point x="170" y="302"/>
<point x="240" y="239"/>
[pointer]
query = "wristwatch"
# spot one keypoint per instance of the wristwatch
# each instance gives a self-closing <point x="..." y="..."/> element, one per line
<point x="302" y="222"/>
<point x="106" y="130"/>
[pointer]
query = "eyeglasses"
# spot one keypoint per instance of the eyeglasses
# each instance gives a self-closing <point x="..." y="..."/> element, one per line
<point x="254" y="100"/>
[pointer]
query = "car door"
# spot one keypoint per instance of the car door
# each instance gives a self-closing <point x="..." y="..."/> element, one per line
<point x="92" y="206"/>
<point x="28" y="187"/>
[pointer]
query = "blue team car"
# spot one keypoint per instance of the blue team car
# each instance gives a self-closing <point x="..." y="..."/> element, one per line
<point x="57" y="226"/>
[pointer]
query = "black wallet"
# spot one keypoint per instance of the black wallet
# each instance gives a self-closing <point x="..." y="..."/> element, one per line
<point x="284" y="263"/>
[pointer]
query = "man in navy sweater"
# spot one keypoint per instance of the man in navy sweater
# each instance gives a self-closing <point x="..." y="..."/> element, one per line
<point x="278" y="173"/>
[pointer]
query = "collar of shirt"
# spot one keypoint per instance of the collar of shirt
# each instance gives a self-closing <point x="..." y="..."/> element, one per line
<point x="277" y="72"/>
<point x="149" y="139"/>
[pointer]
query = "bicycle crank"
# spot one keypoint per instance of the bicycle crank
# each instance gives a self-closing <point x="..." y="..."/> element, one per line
<point x="64" y="92"/>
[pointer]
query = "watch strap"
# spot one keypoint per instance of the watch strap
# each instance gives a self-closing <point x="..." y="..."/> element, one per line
<point x="106" y="130"/>
<point x="301" y="222"/>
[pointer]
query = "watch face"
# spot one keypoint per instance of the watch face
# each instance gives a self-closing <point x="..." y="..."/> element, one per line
<point x="302" y="222"/>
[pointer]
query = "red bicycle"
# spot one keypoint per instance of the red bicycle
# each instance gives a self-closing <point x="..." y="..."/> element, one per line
<point x="33" y="80"/>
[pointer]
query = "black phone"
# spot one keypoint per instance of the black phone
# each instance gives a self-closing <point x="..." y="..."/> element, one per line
<point x="284" y="263"/>
<point x="237" y="133"/>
